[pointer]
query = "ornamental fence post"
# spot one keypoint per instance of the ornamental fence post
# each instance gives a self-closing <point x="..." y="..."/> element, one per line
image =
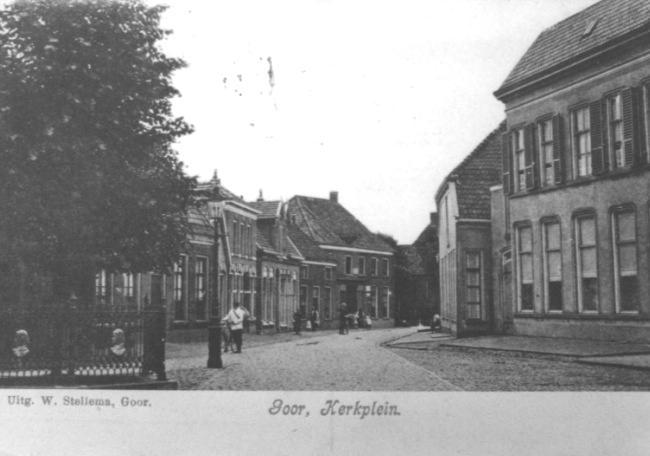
<point x="153" y="357"/>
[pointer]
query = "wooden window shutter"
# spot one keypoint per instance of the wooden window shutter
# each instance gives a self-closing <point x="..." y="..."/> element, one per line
<point x="558" y="149"/>
<point x="598" y="155"/>
<point x="529" y="153"/>
<point x="506" y="160"/>
<point x="629" y="149"/>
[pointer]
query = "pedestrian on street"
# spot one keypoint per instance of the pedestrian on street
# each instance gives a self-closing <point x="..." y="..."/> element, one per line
<point x="315" y="319"/>
<point x="343" y="319"/>
<point x="236" y="318"/>
<point x="361" y="319"/>
<point x="297" y="321"/>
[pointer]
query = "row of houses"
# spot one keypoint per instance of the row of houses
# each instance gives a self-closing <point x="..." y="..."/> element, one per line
<point x="273" y="257"/>
<point x="545" y="227"/>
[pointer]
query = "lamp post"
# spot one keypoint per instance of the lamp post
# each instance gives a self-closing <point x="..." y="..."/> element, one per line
<point x="214" y="326"/>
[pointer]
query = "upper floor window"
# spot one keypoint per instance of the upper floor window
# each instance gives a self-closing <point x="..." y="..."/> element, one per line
<point x="384" y="267"/>
<point x="328" y="273"/>
<point x="581" y="127"/>
<point x="373" y="266"/>
<point x="625" y="260"/>
<point x="234" y="236"/>
<point x="362" y="265"/>
<point x="304" y="272"/>
<point x="519" y="149"/>
<point x="615" y="130"/>
<point x="348" y="265"/>
<point x="546" y="152"/>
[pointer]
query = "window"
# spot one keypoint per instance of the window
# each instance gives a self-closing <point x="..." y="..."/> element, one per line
<point x="586" y="263"/>
<point x="581" y="125"/>
<point x="525" y="255"/>
<point x="361" y="263"/>
<point x="384" y="267"/>
<point x="615" y="131"/>
<point x="328" y="273"/>
<point x="348" y="265"/>
<point x="303" y="296"/>
<point x="342" y="294"/>
<point x="304" y="272"/>
<point x="384" y="305"/>
<point x="373" y="301"/>
<point x="327" y="303"/>
<point x="315" y="298"/>
<point x="200" y="287"/>
<point x="546" y="152"/>
<point x="519" y="149"/>
<point x="473" y="283"/>
<point x="233" y="239"/>
<point x="241" y="239"/>
<point x="625" y="260"/>
<point x="179" y="289"/>
<point x="101" y="286"/>
<point x="373" y="266"/>
<point x="552" y="266"/>
<point x="128" y="287"/>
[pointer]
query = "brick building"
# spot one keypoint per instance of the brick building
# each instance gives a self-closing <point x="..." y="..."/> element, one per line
<point x="575" y="218"/>
<point x="417" y="294"/>
<point x="278" y="266"/>
<point x="465" y="240"/>
<point x="362" y="277"/>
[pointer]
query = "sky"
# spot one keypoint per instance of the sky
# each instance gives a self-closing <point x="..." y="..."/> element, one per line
<point x="376" y="100"/>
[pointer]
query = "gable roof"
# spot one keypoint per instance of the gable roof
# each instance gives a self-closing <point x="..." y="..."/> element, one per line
<point x="267" y="209"/>
<point x="571" y="39"/>
<point x="306" y="245"/>
<point x="327" y="222"/>
<point x="474" y="176"/>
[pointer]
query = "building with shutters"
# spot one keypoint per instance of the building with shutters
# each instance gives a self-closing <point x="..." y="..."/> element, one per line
<point x="361" y="264"/>
<point x="465" y="240"/>
<point x="574" y="216"/>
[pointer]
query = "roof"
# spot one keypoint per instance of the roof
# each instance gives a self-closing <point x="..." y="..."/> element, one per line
<point x="267" y="209"/>
<point x="569" y="40"/>
<point x="474" y="176"/>
<point x="327" y="222"/>
<point x="307" y="246"/>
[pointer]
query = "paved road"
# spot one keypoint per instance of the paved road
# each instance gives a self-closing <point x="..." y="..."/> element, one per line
<point x="332" y="362"/>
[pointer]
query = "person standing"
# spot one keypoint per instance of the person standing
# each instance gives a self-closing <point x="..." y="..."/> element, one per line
<point x="236" y="318"/>
<point x="343" y="319"/>
<point x="315" y="321"/>
<point x="297" y="321"/>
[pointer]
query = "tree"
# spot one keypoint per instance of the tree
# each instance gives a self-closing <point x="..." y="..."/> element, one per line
<point x="89" y="178"/>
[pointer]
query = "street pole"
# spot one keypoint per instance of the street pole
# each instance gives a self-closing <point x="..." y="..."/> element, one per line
<point x="214" y="326"/>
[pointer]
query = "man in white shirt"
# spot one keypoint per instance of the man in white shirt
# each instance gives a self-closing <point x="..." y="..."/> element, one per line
<point x="236" y="318"/>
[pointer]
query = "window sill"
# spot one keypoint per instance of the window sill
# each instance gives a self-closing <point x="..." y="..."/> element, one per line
<point x="584" y="316"/>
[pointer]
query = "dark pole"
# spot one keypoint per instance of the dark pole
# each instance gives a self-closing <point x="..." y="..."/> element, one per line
<point x="214" y="327"/>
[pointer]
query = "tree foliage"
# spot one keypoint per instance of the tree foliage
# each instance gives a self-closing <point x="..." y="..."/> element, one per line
<point x="88" y="172"/>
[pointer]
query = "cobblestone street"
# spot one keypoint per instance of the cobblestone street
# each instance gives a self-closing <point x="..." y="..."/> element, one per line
<point x="357" y="362"/>
<point x="315" y="361"/>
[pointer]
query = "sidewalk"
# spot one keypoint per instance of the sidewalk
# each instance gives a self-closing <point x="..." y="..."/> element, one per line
<point x="607" y="353"/>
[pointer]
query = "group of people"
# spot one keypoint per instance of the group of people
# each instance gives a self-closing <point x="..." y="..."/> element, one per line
<point x="357" y="319"/>
<point x="312" y="324"/>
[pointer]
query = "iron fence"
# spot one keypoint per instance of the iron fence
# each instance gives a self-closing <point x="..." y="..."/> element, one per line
<point x="60" y="344"/>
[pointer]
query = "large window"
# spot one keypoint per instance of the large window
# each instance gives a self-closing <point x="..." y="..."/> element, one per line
<point x="328" y="273"/>
<point x="373" y="266"/>
<point x="586" y="262"/>
<point x="303" y="296"/>
<point x="546" y="152"/>
<point x="473" y="284"/>
<point x="327" y="303"/>
<point x="201" y="287"/>
<point x="525" y="255"/>
<point x="373" y="301"/>
<point x="384" y="267"/>
<point x="625" y="260"/>
<point x="234" y="235"/>
<point x="581" y="128"/>
<point x="361" y="263"/>
<point x="304" y="272"/>
<point x="615" y="130"/>
<point x="384" y="304"/>
<point x="552" y="266"/>
<point x="102" y="286"/>
<point x="519" y="149"/>
<point x="315" y="298"/>
<point x="179" y="289"/>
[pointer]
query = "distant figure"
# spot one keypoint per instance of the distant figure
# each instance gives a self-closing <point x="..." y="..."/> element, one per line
<point x="361" y="319"/>
<point x="236" y="318"/>
<point x="368" y="322"/>
<point x="343" y="319"/>
<point x="436" y="323"/>
<point x="315" y="319"/>
<point x="297" y="321"/>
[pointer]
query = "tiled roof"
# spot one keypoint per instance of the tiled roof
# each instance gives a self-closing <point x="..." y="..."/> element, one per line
<point x="327" y="222"/>
<point x="268" y="209"/>
<point x="307" y="246"/>
<point x="474" y="176"/>
<point x="568" y="40"/>
<point x="263" y="242"/>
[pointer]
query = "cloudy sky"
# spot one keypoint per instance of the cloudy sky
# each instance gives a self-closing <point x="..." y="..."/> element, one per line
<point x="377" y="100"/>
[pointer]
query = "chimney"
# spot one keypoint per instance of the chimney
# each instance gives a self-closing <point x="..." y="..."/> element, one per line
<point x="334" y="197"/>
<point x="261" y="197"/>
<point x="215" y="178"/>
<point x="434" y="218"/>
